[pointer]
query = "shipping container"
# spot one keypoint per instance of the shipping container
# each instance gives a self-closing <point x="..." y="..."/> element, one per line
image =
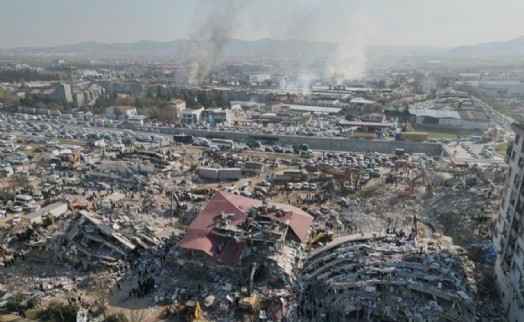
<point x="413" y="136"/>
<point x="208" y="173"/>
<point x="229" y="174"/>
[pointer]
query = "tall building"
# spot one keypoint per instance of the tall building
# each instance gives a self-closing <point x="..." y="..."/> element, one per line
<point x="509" y="233"/>
<point x="63" y="93"/>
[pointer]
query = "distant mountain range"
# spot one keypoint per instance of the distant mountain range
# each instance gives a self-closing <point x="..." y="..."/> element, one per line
<point x="264" y="48"/>
<point x="233" y="48"/>
<point x="510" y="48"/>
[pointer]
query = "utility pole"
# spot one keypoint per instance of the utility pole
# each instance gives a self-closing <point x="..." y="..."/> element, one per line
<point x="172" y="213"/>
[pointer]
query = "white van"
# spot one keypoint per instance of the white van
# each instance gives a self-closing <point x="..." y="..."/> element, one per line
<point x="24" y="200"/>
<point x="71" y="181"/>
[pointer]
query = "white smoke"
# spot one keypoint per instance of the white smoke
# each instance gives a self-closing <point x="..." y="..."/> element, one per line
<point x="347" y="62"/>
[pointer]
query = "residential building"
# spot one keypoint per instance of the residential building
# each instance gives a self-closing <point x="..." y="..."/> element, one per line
<point x="373" y="117"/>
<point x="361" y="104"/>
<point x="509" y="234"/>
<point x="216" y="116"/>
<point x="179" y="104"/>
<point x="120" y="111"/>
<point x="231" y="227"/>
<point x="63" y="93"/>
<point x="136" y="119"/>
<point x="191" y="116"/>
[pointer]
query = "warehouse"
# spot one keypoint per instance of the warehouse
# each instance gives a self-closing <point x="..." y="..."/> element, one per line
<point x="430" y="116"/>
<point x="460" y="119"/>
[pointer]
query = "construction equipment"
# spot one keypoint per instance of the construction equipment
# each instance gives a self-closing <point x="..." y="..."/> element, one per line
<point x="189" y="311"/>
<point x="417" y="220"/>
<point x="70" y="161"/>
<point x="251" y="300"/>
<point x="321" y="237"/>
<point x="347" y="179"/>
<point x="411" y="184"/>
<point x="79" y="205"/>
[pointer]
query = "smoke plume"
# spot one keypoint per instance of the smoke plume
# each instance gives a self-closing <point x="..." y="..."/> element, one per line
<point x="211" y="37"/>
<point x="346" y="62"/>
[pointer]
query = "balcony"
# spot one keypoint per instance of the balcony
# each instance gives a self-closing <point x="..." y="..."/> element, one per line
<point x="520" y="242"/>
<point x="499" y="225"/>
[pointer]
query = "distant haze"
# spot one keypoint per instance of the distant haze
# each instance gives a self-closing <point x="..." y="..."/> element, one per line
<point x="438" y="23"/>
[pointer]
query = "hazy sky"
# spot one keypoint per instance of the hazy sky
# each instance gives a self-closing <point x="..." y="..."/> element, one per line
<point x="443" y="23"/>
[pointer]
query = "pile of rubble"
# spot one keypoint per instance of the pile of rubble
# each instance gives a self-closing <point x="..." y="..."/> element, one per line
<point x="386" y="277"/>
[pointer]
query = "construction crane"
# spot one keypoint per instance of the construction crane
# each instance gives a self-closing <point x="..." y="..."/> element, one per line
<point x="411" y="184"/>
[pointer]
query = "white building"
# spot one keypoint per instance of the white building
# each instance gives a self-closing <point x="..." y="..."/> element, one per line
<point x="509" y="233"/>
<point x="501" y="87"/>
<point x="120" y="111"/>
<point x="179" y="104"/>
<point x="191" y="116"/>
<point x="435" y="117"/>
<point x="260" y="77"/>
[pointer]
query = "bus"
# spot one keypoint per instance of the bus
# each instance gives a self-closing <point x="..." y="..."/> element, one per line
<point x="223" y="144"/>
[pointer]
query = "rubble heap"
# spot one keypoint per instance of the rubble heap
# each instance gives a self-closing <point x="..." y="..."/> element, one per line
<point x="386" y="276"/>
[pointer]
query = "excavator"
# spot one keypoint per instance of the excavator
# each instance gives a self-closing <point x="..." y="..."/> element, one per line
<point x="411" y="185"/>
<point x="251" y="299"/>
<point x="417" y="220"/>
<point x="79" y="205"/>
<point x="343" y="177"/>
<point x="322" y="236"/>
<point x="189" y="311"/>
<point x="70" y="161"/>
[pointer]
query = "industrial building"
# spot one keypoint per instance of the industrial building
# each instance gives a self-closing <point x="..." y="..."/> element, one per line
<point x="509" y="235"/>
<point x="458" y="119"/>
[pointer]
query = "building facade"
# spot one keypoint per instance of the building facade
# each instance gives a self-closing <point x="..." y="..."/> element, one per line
<point x="191" y="116"/>
<point x="509" y="233"/>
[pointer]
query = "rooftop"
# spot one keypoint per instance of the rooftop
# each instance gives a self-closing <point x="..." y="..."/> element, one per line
<point x="201" y="234"/>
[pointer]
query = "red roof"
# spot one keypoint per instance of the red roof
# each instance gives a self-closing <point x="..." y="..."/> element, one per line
<point x="199" y="235"/>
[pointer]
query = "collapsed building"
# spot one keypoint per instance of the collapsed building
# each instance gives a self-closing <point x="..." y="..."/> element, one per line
<point x="233" y="230"/>
<point x="387" y="277"/>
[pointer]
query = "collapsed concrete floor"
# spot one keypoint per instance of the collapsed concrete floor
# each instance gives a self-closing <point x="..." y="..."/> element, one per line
<point x="374" y="277"/>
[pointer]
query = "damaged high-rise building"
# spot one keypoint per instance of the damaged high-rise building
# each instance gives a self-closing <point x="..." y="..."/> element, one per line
<point x="509" y="232"/>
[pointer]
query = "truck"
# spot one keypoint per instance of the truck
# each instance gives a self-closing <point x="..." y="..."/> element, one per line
<point x="412" y="136"/>
<point x="208" y="173"/>
<point x="229" y="174"/>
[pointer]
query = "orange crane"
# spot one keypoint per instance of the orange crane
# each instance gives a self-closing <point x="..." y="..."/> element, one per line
<point x="411" y="184"/>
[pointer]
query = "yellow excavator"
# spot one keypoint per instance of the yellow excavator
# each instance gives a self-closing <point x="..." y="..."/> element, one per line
<point x="189" y="311"/>
<point x="251" y="299"/>
<point x="321" y="237"/>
